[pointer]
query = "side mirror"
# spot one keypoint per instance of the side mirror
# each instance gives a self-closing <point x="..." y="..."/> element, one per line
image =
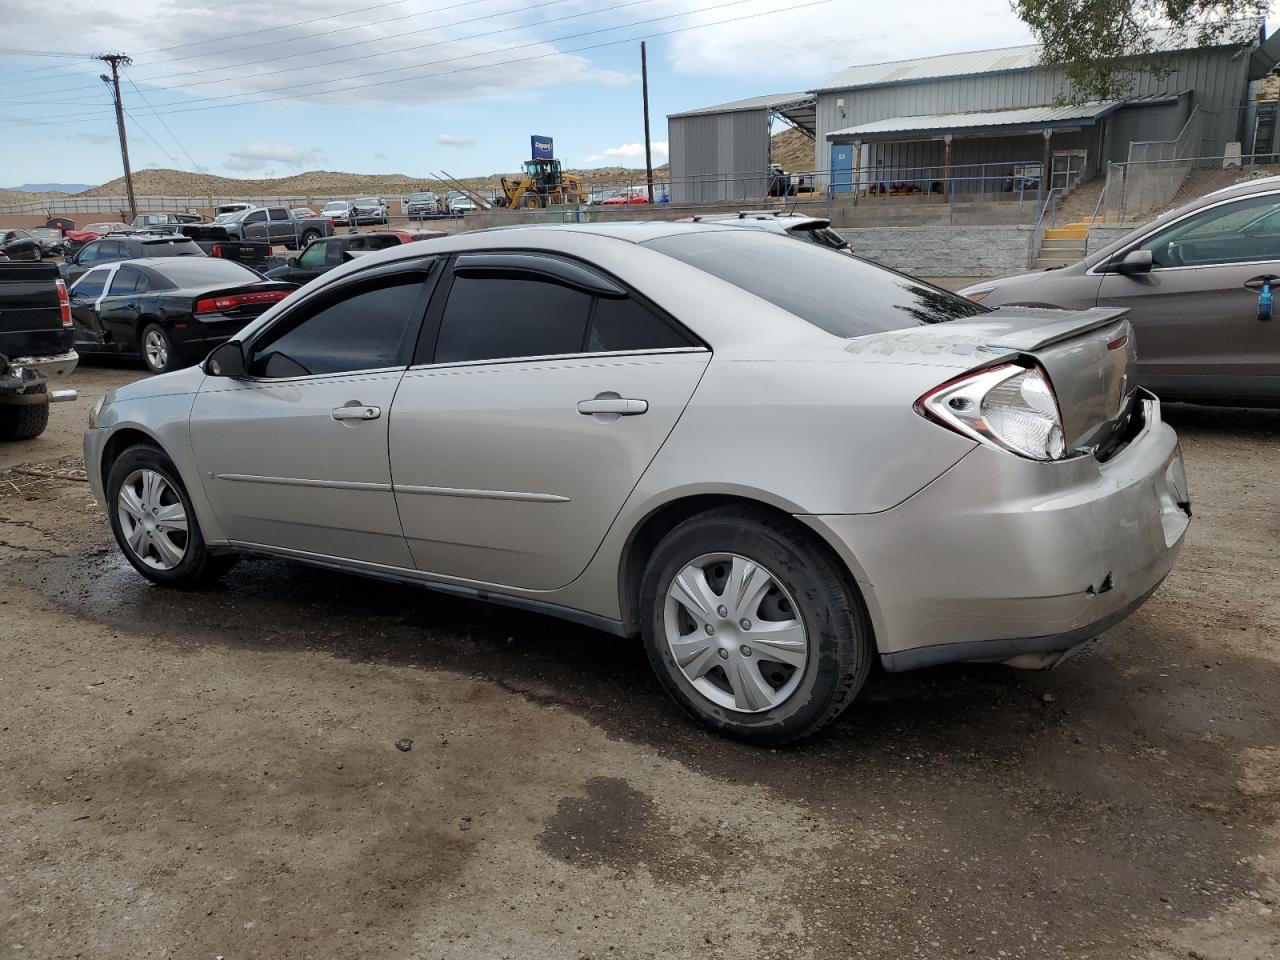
<point x="1135" y="261"/>
<point x="292" y="261"/>
<point x="226" y="360"/>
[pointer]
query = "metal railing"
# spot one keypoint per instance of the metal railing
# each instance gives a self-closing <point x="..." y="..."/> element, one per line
<point x="1139" y="190"/>
<point x="1048" y="212"/>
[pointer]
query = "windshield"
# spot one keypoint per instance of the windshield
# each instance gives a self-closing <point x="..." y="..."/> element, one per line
<point x="206" y="272"/>
<point x="336" y="205"/>
<point x="421" y="197"/>
<point x="845" y="296"/>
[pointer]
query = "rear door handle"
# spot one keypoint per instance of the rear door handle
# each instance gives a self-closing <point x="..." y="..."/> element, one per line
<point x="618" y="406"/>
<point x="1257" y="282"/>
<point x="355" y="410"/>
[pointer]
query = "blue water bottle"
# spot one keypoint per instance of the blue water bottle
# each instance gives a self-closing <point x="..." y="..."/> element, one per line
<point x="1266" y="302"/>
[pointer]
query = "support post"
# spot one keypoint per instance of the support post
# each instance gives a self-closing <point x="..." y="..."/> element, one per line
<point x="1046" y="168"/>
<point x="648" y="154"/>
<point x="115" y="59"/>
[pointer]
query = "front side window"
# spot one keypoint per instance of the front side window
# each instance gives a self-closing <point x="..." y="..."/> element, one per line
<point x="91" y="285"/>
<point x="89" y="254"/>
<point x="313" y="257"/>
<point x="365" y="328"/>
<point x="1244" y="231"/>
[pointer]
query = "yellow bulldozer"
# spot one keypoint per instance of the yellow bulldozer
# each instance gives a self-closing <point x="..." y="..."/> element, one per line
<point x="543" y="185"/>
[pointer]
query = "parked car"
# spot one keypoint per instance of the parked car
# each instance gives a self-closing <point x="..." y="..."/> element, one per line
<point x="19" y="245"/>
<point x="165" y="219"/>
<point x="631" y="196"/>
<point x="677" y="431"/>
<point x="341" y="212"/>
<point x="229" y="209"/>
<point x="35" y="347"/>
<point x="112" y="248"/>
<point x="422" y="205"/>
<point x="50" y="239"/>
<point x="1192" y="281"/>
<point x="275" y="225"/>
<point x="459" y="202"/>
<point x="371" y="210"/>
<point x="798" y="226"/>
<point x="303" y="213"/>
<point x="323" y="255"/>
<point x="75" y="239"/>
<point x="169" y="312"/>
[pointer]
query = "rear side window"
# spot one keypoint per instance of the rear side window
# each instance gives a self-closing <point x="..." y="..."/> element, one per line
<point x="126" y="282"/>
<point x="626" y="324"/>
<point x="279" y="213"/>
<point x="369" y="242"/>
<point x="366" y="328"/>
<point x="492" y="318"/>
<point x="844" y="296"/>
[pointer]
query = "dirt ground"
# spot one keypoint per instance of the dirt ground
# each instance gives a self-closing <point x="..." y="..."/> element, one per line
<point x="214" y="774"/>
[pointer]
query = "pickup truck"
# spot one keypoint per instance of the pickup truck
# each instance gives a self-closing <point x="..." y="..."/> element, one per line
<point x="275" y="225"/>
<point x="216" y="241"/>
<point x="35" y="347"/>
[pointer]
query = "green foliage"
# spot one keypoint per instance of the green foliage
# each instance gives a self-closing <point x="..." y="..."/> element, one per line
<point x="1102" y="43"/>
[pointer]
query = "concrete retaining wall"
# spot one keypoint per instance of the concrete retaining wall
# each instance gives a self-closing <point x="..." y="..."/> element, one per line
<point x="945" y="251"/>
<point x="1102" y="234"/>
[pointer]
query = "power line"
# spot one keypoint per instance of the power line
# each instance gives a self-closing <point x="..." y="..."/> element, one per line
<point x="321" y="50"/>
<point x="74" y="118"/>
<point x="147" y="133"/>
<point x="194" y="165"/>
<point x="294" y="88"/>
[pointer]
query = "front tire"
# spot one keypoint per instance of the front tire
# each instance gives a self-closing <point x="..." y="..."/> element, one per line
<point x="158" y="351"/>
<point x="752" y="627"/>
<point x="154" y="523"/>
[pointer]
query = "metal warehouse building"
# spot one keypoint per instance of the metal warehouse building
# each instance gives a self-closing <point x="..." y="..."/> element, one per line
<point x="980" y="122"/>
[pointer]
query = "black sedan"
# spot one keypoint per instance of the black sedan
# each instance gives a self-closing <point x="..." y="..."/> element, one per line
<point x="50" y="239"/>
<point x="168" y="311"/>
<point x="18" y="245"/>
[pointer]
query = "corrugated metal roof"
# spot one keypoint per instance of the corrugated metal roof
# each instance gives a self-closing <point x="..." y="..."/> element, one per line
<point x="1002" y="60"/>
<point x="770" y="102"/>
<point x="946" y="122"/>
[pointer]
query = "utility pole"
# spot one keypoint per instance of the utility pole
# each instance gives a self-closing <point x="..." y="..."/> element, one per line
<point x="113" y="81"/>
<point x="648" y="155"/>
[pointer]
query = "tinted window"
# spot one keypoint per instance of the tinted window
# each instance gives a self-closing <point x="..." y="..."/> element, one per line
<point x="628" y="325"/>
<point x="172" y="248"/>
<point x="491" y="318"/>
<point x="91" y="285"/>
<point x="256" y="217"/>
<point x="365" y="330"/>
<point x="313" y="256"/>
<point x="371" y="242"/>
<point x="844" y="296"/>
<point x="110" y="250"/>
<point x="206" y="272"/>
<point x="90" y="253"/>
<point x="279" y="213"/>
<point x="127" y="281"/>
<point x="1240" y="232"/>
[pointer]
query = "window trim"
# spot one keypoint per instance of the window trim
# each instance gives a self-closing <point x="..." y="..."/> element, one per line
<point x="111" y="268"/>
<point x="435" y="314"/>
<point x="413" y="329"/>
<point x="1099" y="268"/>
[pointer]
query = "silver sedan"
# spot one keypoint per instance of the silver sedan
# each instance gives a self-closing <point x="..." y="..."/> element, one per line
<point x="771" y="461"/>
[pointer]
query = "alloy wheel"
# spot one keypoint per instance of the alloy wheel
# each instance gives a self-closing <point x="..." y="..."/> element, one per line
<point x="156" y="349"/>
<point x="735" y="632"/>
<point x="153" y="519"/>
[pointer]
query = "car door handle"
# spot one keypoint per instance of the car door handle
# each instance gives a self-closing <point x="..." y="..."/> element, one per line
<point x="355" y="410"/>
<point x="1257" y="282"/>
<point x="618" y="406"/>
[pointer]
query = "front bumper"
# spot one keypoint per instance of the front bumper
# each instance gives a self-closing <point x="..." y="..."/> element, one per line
<point x="19" y="374"/>
<point x="1003" y="558"/>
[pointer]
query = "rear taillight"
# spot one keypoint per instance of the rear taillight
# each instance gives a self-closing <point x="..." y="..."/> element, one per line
<point x="329" y="221"/>
<point x="232" y="300"/>
<point x="64" y="302"/>
<point x="1010" y="407"/>
<point x="217" y="250"/>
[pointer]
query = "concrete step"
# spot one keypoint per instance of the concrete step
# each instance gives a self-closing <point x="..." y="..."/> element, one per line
<point x="1067" y="233"/>
<point x="1062" y="245"/>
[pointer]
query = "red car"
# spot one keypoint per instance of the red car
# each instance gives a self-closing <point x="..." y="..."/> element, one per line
<point x="78" y="238"/>
<point x="632" y="195"/>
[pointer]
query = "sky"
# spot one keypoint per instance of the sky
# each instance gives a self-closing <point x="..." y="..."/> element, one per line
<point x="242" y="88"/>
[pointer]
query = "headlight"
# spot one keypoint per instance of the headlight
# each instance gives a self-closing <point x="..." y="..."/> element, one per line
<point x="94" y="411"/>
<point x="1010" y="407"/>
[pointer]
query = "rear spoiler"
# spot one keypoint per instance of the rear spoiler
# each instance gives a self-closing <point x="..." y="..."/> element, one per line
<point x="1046" y="327"/>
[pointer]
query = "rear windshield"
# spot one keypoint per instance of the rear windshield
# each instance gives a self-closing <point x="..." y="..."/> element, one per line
<point x="206" y="272"/>
<point x="178" y="247"/>
<point x="45" y="233"/>
<point x="843" y="295"/>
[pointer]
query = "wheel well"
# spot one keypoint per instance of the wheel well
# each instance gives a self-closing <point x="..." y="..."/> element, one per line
<point x="141" y="325"/>
<point x="118" y="443"/>
<point x="649" y="533"/>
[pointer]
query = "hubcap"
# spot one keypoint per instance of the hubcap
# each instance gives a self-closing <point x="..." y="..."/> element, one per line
<point x="735" y="633"/>
<point x="157" y="349"/>
<point x="152" y="519"/>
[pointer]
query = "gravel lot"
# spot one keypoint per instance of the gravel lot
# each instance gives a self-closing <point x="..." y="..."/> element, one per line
<point x="214" y="774"/>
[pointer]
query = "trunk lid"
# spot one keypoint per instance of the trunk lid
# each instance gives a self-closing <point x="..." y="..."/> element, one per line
<point x="1089" y="356"/>
<point x="30" y="315"/>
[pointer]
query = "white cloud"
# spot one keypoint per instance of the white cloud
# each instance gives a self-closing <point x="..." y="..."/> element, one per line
<point x="626" y="154"/>
<point x="257" y="155"/>
<point x="453" y="140"/>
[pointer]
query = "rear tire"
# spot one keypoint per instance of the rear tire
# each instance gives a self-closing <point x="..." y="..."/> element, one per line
<point x="23" y="421"/>
<point x="308" y="236"/>
<point x="157" y="506"/>
<point x="781" y="644"/>
<point x="158" y="351"/>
